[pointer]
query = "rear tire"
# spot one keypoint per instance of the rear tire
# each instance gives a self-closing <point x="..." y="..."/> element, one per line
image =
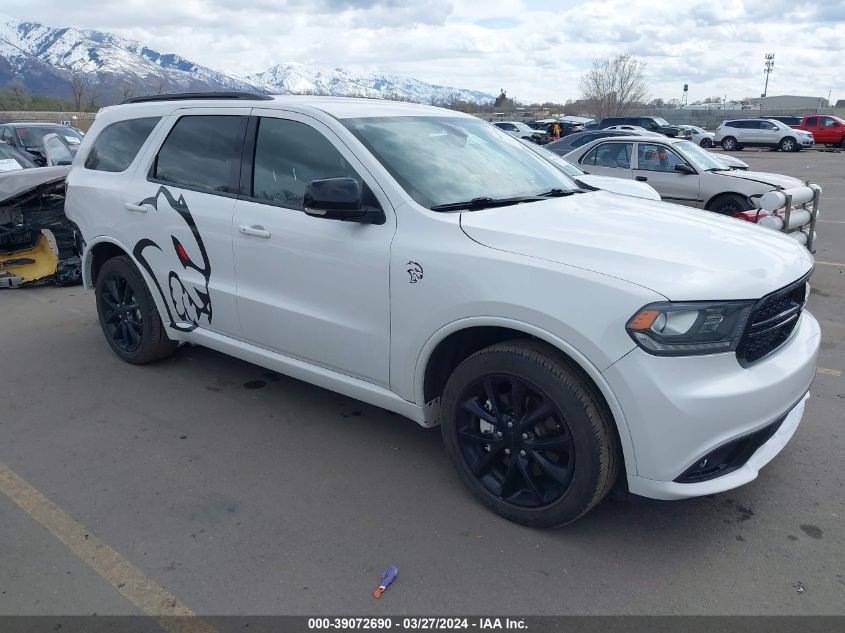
<point x="729" y="204"/>
<point x="706" y="143"/>
<point x="128" y="315"/>
<point x="729" y="144"/>
<point x="528" y="435"/>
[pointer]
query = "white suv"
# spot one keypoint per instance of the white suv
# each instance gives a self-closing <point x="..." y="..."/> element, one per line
<point x="739" y="133"/>
<point x="428" y="263"/>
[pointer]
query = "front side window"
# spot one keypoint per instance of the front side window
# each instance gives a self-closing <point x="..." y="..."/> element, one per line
<point x="765" y="125"/>
<point x="828" y="122"/>
<point x="657" y="157"/>
<point x="444" y="159"/>
<point x="289" y="155"/>
<point x="118" y="144"/>
<point x="56" y="151"/>
<point x="202" y="152"/>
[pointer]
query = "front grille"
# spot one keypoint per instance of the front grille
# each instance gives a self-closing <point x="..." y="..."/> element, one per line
<point x="772" y="320"/>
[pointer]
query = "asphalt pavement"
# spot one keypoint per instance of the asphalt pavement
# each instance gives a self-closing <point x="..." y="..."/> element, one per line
<point x="234" y="490"/>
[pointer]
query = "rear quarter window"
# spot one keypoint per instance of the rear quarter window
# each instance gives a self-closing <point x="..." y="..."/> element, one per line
<point x="118" y="144"/>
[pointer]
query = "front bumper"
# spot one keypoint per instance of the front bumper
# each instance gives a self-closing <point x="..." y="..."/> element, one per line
<point x="678" y="410"/>
<point x="806" y="142"/>
<point x="28" y="266"/>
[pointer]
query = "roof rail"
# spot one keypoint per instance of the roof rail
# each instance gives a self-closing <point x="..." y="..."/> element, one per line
<point x="184" y="96"/>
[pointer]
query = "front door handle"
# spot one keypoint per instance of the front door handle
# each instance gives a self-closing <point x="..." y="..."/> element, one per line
<point x="137" y="208"/>
<point x="641" y="178"/>
<point x="254" y="229"/>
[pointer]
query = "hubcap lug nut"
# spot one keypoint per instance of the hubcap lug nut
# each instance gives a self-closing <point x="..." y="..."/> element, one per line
<point x="507" y="451"/>
<point x="522" y="453"/>
<point x="510" y="425"/>
<point x="498" y="434"/>
<point x="525" y="436"/>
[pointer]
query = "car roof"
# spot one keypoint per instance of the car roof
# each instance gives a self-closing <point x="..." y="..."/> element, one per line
<point x="337" y="107"/>
<point x="641" y="138"/>
<point x="34" y="124"/>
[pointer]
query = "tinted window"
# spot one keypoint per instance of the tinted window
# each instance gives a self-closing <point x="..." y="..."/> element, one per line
<point x="656" y="157"/>
<point x="812" y="121"/>
<point x="202" y="152"/>
<point x="56" y="151"/>
<point x="289" y="155"/>
<point x="610" y="155"/>
<point x="750" y="125"/>
<point x="732" y="124"/>
<point x="117" y="145"/>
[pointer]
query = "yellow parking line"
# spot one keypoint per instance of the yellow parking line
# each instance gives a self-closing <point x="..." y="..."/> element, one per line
<point x="836" y="373"/>
<point x="147" y="595"/>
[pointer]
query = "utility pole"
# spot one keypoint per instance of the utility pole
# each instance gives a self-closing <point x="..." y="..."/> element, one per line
<point x="768" y="66"/>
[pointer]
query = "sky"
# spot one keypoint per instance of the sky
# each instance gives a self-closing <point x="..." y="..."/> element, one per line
<point x="535" y="50"/>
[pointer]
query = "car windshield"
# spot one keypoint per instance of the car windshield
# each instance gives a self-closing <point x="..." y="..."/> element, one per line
<point x="702" y="159"/>
<point x="33" y="136"/>
<point x="448" y="160"/>
<point x="564" y="165"/>
<point x="660" y="121"/>
<point x="11" y="159"/>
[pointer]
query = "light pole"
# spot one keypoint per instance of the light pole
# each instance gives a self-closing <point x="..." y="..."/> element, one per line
<point x="768" y="66"/>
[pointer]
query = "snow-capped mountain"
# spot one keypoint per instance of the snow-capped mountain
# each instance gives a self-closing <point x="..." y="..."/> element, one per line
<point x="48" y="61"/>
<point x="301" y="79"/>
<point x="45" y="59"/>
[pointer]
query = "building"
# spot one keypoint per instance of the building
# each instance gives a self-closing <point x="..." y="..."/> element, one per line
<point x="789" y="102"/>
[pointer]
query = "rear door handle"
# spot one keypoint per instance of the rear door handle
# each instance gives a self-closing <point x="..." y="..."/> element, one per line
<point x="254" y="229"/>
<point x="641" y="178"/>
<point x="138" y="208"/>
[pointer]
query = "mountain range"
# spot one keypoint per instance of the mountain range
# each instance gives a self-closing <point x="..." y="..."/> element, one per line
<point x="107" y="68"/>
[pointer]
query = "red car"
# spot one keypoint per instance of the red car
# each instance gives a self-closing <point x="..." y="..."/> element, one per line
<point x="826" y="129"/>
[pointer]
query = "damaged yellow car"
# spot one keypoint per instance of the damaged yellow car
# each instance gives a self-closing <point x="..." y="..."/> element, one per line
<point x="37" y="241"/>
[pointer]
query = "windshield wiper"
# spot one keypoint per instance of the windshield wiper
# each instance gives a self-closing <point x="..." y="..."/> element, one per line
<point x="719" y="169"/>
<point x="558" y="193"/>
<point x="484" y="202"/>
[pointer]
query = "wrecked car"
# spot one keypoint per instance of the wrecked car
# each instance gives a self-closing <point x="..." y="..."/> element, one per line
<point x="37" y="242"/>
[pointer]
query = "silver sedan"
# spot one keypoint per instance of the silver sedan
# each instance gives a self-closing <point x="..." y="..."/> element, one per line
<point x="681" y="171"/>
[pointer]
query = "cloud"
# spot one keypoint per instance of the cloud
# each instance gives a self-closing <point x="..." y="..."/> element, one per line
<point x="534" y="49"/>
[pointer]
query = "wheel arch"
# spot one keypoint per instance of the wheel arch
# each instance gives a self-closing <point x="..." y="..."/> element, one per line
<point x="455" y="342"/>
<point x="722" y="194"/>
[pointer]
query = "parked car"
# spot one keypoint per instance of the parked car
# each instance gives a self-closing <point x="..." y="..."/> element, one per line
<point x="424" y="261"/>
<point x="521" y="130"/>
<point x="28" y="138"/>
<point x="650" y="123"/>
<point x="568" y="143"/>
<point x="37" y="243"/>
<point x="591" y="182"/>
<point x="825" y="128"/>
<point x="739" y="133"/>
<point x="12" y="160"/>
<point x="635" y="129"/>
<point x="699" y="135"/>
<point x="680" y="171"/>
<point x="791" y="121"/>
<point x="566" y="127"/>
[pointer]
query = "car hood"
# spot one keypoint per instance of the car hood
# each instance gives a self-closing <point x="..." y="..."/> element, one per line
<point x="621" y="186"/>
<point x="682" y="253"/>
<point x="774" y="180"/>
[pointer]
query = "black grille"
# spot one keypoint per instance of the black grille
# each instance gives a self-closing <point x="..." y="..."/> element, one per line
<point x="772" y="321"/>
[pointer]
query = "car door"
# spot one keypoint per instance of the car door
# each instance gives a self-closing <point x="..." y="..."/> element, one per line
<point x="181" y="206"/>
<point x="655" y="164"/>
<point x="827" y="131"/>
<point x="749" y="133"/>
<point x="312" y="288"/>
<point x="611" y="158"/>
<point x="769" y="133"/>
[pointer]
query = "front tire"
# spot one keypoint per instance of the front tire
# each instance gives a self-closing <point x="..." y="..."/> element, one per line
<point x="729" y="144"/>
<point x="128" y="315"/>
<point x="729" y="204"/>
<point x="788" y="144"/>
<point x="528" y="435"/>
<point x="706" y="143"/>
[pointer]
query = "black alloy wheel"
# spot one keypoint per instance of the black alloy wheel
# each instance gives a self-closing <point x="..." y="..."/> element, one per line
<point x="124" y="322"/>
<point x="515" y="441"/>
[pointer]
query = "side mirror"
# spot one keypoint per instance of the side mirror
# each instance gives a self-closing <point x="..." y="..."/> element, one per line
<point x="339" y="199"/>
<point x="684" y="169"/>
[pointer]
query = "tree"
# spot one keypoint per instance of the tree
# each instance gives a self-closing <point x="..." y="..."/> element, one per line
<point x="79" y="87"/>
<point x="614" y="85"/>
<point x="23" y="98"/>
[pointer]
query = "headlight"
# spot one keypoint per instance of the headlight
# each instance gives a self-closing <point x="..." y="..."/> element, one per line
<point x="688" y="329"/>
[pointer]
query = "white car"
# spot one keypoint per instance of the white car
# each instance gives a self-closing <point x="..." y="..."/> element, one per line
<point x="591" y="182"/>
<point x="635" y="128"/>
<point x="519" y="130"/>
<point x="699" y="135"/>
<point x="739" y="133"/>
<point x="680" y="171"/>
<point x="423" y="261"/>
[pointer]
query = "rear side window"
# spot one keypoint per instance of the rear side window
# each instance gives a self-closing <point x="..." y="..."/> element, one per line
<point x="812" y="121"/>
<point x="118" y="144"/>
<point x="202" y="152"/>
<point x="289" y="155"/>
<point x="610" y="155"/>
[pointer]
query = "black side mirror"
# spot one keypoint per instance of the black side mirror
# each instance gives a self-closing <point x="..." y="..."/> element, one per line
<point x="684" y="169"/>
<point x="339" y="199"/>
